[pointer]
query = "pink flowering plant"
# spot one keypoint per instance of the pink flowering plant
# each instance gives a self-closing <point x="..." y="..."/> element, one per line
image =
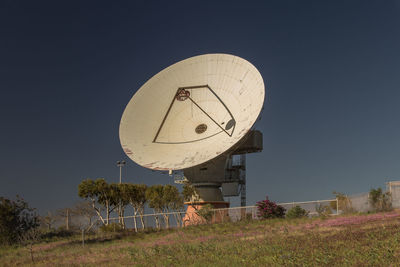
<point x="267" y="209"/>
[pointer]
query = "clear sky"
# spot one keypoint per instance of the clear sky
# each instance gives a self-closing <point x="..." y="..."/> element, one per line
<point x="68" y="68"/>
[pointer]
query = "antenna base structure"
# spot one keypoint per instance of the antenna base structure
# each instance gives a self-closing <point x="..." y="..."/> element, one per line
<point x="226" y="172"/>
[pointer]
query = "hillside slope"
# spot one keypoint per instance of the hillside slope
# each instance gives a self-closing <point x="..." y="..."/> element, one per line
<point x="355" y="240"/>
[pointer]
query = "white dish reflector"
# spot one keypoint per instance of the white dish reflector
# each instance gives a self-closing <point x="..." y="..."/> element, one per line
<point x="191" y="112"/>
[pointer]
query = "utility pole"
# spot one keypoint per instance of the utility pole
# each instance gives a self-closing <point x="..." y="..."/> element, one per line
<point x="67" y="220"/>
<point x="242" y="172"/>
<point x="120" y="164"/>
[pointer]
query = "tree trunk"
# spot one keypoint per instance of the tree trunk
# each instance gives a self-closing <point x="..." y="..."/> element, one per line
<point x="140" y="210"/>
<point x="166" y="220"/>
<point x="142" y="221"/>
<point x="178" y="218"/>
<point x="97" y="211"/>
<point x="122" y="217"/>
<point x="108" y="213"/>
<point x="119" y="214"/>
<point x="134" y="219"/>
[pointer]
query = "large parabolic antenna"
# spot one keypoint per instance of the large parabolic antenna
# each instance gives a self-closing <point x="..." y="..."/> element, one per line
<point x="192" y="116"/>
<point x="191" y="112"/>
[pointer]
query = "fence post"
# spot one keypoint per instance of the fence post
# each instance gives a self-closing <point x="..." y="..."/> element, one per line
<point x="67" y="221"/>
<point x="337" y="206"/>
<point x="83" y="237"/>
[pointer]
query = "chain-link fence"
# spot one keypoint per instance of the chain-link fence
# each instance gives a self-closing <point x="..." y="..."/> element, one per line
<point x="394" y="189"/>
<point x="351" y="203"/>
<point x="182" y="218"/>
<point x="315" y="208"/>
<point x="360" y="202"/>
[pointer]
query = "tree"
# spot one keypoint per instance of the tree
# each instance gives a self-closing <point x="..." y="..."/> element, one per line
<point x="154" y="194"/>
<point x="16" y="218"/>
<point x="171" y="200"/>
<point x="189" y="193"/>
<point x="379" y="200"/>
<point x="84" y="214"/>
<point x="48" y="220"/>
<point x="102" y="193"/>
<point x="65" y="215"/>
<point x="106" y="197"/>
<point x="87" y="190"/>
<point x="176" y="204"/>
<point x="30" y="237"/>
<point x="120" y="200"/>
<point x="136" y="196"/>
<point x="164" y="199"/>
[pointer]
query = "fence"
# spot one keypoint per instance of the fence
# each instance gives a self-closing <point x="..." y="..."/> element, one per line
<point x="360" y="202"/>
<point x="315" y="207"/>
<point x="394" y="189"/>
<point x="357" y="203"/>
<point x="181" y="218"/>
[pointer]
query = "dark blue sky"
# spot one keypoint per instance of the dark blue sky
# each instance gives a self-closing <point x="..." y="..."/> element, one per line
<point x="332" y="69"/>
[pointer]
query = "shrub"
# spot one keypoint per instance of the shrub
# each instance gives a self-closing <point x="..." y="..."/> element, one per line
<point x="296" y="212"/>
<point x="344" y="203"/>
<point x="206" y="212"/>
<point x="323" y="211"/>
<point x="16" y="218"/>
<point x="380" y="201"/>
<point x="267" y="209"/>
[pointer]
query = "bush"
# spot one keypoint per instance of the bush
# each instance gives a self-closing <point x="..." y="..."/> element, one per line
<point x="380" y="201"/>
<point x="16" y="219"/>
<point x="206" y="212"/>
<point x="323" y="211"/>
<point x="296" y="212"/>
<point x="267" y="209"/>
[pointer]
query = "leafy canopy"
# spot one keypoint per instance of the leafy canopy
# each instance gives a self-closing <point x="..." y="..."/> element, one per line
<point x="16" y="219"/>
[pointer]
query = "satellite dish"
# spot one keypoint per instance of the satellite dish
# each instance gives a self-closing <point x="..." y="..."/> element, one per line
<point x="191" y="112"/>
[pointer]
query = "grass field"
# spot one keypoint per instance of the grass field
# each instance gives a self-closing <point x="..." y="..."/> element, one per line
<point x="354" y="240"/>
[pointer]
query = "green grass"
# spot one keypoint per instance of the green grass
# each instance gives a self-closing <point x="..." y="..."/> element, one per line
<point x="356" y="240"/>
